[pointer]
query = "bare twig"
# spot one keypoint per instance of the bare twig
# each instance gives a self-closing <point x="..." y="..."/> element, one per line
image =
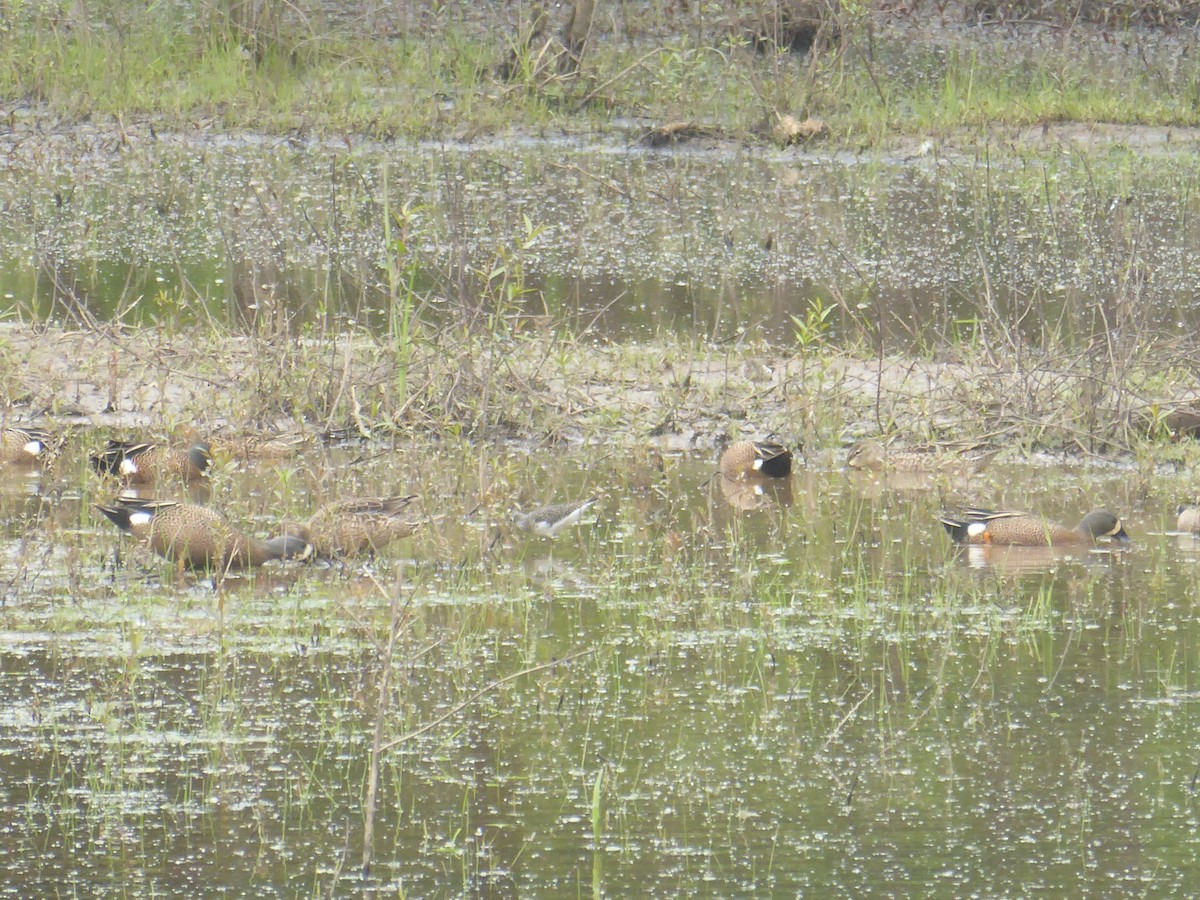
<point x="398" y="619"/>
<point x="487" y="688"/>
<point x="594" y="92"/>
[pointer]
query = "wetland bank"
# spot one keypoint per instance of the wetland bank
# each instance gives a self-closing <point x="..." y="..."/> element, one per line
<point x="698" y="689"/>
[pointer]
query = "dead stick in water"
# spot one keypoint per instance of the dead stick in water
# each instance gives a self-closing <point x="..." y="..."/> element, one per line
<point x="491" y="686"/>
<point x="635" y="64"/>
<point x="385" y="680"/>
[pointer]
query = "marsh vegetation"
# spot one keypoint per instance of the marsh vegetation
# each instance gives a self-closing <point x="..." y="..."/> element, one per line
<point x="465" y="267"/>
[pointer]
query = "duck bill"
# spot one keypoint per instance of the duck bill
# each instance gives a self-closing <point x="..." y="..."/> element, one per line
<point x="1120" y="536"/>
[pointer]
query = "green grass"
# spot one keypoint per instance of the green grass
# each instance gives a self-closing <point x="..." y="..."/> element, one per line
<point x="272" y="76"/>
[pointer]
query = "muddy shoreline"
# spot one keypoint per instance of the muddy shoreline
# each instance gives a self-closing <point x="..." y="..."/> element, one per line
<point x="32" y="131"/>
<point x="675" y="397"/>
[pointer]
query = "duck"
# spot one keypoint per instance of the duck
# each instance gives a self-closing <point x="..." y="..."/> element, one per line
<point x="874" y="456"/>
<point x="197" y="537"/>
<point x="244" y="446"/>
<point x="985" y="526"/>
<point x="248" y="447"/>
<point x="356" y="527"/>
<point x="549" y="520"/>
<point x="755" y="459"/>
<point x="146" y="463"/>
<point x="1187" y="518"/>
<point x="23" y="445"/>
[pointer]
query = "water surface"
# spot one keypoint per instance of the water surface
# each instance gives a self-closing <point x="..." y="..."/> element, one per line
<point x="823" y="696"/>
<point x="717" y="241"/>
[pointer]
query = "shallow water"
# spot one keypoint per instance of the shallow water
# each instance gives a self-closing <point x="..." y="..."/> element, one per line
<point x="710" y="240"/>
<point x="822" y="696"/>
<point x="801" y="690"/>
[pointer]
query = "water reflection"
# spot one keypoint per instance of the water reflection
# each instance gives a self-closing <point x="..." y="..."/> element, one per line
<point x="874" y="485"/>
<point x="196" y="490"/>
<point x="756" y="682"/>
<point x="271" y="578"/>
<point x="1018" y="560"/>
<point x="748" y="495"/>
<point x="913" y="248"/>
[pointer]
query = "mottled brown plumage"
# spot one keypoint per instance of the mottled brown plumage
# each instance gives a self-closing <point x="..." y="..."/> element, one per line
<point x="23" y="445"/>
<point x="196" y="537"/>
<point x="252" y="447"/>
<point x="983" y="526"/>
<point x="876" y="457"/>
<point x="356" y="527"/>
<point x="756" y="459"/>
<point x="1188" y="518"/>
<point x="146" y="463"/>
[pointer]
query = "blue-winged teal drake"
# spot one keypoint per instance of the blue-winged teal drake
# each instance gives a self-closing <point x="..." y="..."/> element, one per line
<point x="983" y="526"/>
<point x="1188" y="518"/>
<point x="875" y="456"/>
<point x="551" y="519"/>
<point x="23" y="445"/>
<point x="356" y="527"/>
<point x="196" y="537"/>
<point x="147" y="463"/>
<point x="756" y="459"/>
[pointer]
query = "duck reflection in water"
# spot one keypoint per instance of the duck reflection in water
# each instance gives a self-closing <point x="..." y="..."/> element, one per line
<point x="1021" y="560"/>
<point x="755" y="494"/>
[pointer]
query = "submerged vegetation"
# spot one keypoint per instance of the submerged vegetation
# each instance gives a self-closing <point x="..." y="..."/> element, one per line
<point x="596" y="667"/>
<point x="1038" y="299"/>
<point x="1038" y="307"/>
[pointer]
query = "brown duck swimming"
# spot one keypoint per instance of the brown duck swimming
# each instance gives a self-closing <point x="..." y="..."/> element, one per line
<point x="875" y="456"/>
<point x="251" y="447"/>
<point x="196" y="537"/>
<point x="756" y="459"/>
<point x="983" y="526"/>
<point x="356" y="527"/>
<point x="1187" y="518"/>
<point x="23" y="445"/>
<point x="146" y="463"/>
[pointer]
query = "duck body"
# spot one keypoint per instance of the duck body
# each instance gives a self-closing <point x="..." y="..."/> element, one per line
<point x="985" y="526"/>
<point x="356" y="527"/>
<point x="261" y="447"/>
<point x="23" y="445"/>
<point x="1188" y="518"/>
<point x="874" y="456"/>
<point x="756" y="459"/>
<point x="197" y="537"/>
<point x="146" y="463"/>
